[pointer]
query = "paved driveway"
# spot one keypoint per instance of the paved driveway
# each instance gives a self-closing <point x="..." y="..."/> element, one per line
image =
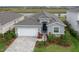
<point x="22" y="44"/>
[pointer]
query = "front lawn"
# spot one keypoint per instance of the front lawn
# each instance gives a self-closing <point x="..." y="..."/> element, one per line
<point x="74" y="46"/>
<point x="52" y="48"/>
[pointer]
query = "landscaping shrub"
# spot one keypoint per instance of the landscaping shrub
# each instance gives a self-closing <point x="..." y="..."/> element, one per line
<point x="77" y="37"/>
<point x="7" y="36"/>
<point x="1" y="37"/>
<point x="50" y="37"/>
<point x="41" y="43"/>
<point x="64" y="40"/>
<point x="10" y="35"/>
<point x="6" y="39"/>
<point x="56" y="40"/>
<point x="13" y="34"/>
<point x="53" y="39"/>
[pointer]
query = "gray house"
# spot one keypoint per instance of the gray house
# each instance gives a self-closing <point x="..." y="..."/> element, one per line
<point x="73" y="17"/>
<point x="8" y="19"/>
<point x="39" y="23"/>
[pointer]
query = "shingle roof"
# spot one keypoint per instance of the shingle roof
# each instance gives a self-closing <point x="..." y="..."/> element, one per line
<point x="6" y="17"/>
<point x="33" y="20"/>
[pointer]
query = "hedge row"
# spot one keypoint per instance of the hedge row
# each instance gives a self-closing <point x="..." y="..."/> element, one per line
<point x="8" y="35"/>
<point x="71" y="30"/>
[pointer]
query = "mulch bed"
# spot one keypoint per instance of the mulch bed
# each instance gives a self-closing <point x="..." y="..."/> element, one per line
<point x="55" y="41"/>
<point x="10" y="42"/>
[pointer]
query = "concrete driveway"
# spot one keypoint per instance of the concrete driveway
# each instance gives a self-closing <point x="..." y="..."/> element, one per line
<point x="22" y="44"/>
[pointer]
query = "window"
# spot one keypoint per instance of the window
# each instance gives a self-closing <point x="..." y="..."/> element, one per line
<point x="44" y="20"/>
<point x="78" y="22"/>
<point x="56" y="29"/>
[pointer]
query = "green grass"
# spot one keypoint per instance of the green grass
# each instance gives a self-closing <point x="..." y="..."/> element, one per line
<point x="62" y="18"/>
<point x="56" y="48"/>
<point x="75" y="45"/>
<point x="2" y="46"/>
<point x="6" y="40"/>
<point x="34" y="10"/>
<point x="52" y="48"/>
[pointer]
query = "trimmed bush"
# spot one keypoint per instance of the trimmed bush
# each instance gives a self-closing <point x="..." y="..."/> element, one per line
<point x="13" y="34"/>
<point x="64" y="40"/>
<point x="9" y="35"/>
<point x="41" y="43"/>
<point x="50" y="37"/>
<point x="6" y="39"/>
<point x="1" y="36"/>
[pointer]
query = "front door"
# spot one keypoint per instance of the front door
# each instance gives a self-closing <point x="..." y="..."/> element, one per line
<point x="44" y="27"/>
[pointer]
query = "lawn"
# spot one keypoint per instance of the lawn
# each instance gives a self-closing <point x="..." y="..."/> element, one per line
<point x="4" y="44"/>
<point x="52" y="48"/>
<point x="57" y="48"/>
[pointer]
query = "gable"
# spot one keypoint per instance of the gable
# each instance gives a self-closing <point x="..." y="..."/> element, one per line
<point x="56" y="24"/>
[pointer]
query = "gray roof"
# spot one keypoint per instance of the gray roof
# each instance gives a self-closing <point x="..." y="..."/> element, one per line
<point x="73" y="8"/>
<point x="6" y="17"/>
<point x="34" y="19"/>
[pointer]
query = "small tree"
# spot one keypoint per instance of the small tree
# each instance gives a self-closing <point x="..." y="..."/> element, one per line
<point x="50" y="37"/>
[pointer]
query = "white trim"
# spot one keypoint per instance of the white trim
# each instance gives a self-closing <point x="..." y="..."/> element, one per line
<point x="27" y="25"/>
<point x="44" y="20"/>
<point x="40" y="22"/>
<point x="55" y="32"/>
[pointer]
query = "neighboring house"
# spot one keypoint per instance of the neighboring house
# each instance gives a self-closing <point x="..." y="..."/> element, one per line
<point x="73" y="17"/>
<point x="8" y="19"/>
<point x="40" y="23"/>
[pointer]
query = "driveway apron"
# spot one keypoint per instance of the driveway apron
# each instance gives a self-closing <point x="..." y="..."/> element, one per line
<point x="22" y="44"/>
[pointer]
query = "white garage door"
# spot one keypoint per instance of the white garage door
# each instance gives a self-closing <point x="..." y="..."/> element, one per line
<point x="27" y="31"/>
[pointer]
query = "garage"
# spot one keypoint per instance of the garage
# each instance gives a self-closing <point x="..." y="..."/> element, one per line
<point x="27" y="31"/>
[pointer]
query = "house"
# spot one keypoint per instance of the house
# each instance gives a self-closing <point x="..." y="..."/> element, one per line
<point x="8" y="19"/>
<point x="40" y="23"/>
<point x="73" y="17"/>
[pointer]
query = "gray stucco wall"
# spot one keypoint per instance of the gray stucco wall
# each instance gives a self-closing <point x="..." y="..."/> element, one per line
<point x="51" y="28"/>
<point x="72" y="17"/>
